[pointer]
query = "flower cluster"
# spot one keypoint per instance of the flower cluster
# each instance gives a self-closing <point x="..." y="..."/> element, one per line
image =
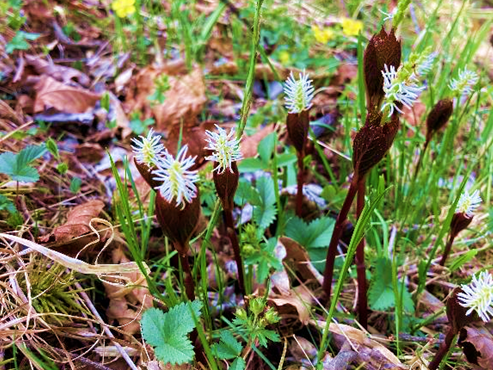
<point x="299" y="93"/>
<point x="478" y="296"/>
<point x="468" y="203"/>
<point x="399" y="90"/>
<point x="147" y="150"/>
<point x="123" y="8"/>
<point x="175" y="175"/>
<point x="177" y="179"/>
<point x="322" y="35"/>
<point x="463" y="85"/>
<point x="225" y="147"/>
<point x="351" y="27"/>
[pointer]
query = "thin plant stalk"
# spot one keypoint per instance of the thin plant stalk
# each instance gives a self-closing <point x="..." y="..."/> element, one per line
<point x="360" y="261"/>
<point x="336" y="236"/>
<point x="300" y="181"/>
<point x="420" y="159"/>
<point x="448" y="248"/>
<point x="443" y="350"/>
<point x="185" y="265"/>
<point x="228" y="217"/>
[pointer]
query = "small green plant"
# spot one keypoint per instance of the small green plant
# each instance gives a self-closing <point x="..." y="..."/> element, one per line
<point x="19" y="42"/>
<point x="161" y="85"/>
<point x="229" y="348"/>
<point x="138" y="126"/>
<point x="17" y="166"/>
<point x="265" y="259"/>
<point x="168" y="332"/>
<point x="254" y="325"/>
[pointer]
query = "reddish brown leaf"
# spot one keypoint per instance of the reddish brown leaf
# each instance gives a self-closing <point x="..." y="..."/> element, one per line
<point x="477" y="344"/>
<point x="64" y="98"/>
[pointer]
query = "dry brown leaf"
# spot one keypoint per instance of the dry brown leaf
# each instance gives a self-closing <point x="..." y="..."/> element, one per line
<point x="296" y="304"/>
<point x="60" y="73"/>
<point x="64" y="98"/>
<point x="301" y="259"/>
<point x="127" y="303"/>
<point x="249" y="144"/>
<point x="477" y="344"/>
<point x="67" y="238"/>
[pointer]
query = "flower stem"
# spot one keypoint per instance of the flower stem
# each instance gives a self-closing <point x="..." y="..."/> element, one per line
<point x="185" y="265"/>
<point x="336" y="235"/>
<point x="448" y="247"/>
<point x="228" y="217"/>
<point x="300" y="178"/>
<point x="443" y="350"/>
<point x="420" y="159"/>
<point x="360" y="260"/>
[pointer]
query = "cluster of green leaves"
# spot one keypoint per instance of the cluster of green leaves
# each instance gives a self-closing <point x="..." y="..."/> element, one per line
<point x="168" y="331"/>
<point x="254" y="325"/>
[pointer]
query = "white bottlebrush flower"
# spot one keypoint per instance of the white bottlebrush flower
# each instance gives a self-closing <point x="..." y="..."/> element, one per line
<point x="398" y="90"/>
<point x="148" y="150"/>
<point x="464" y="83"/>
<point x="299" y="93"/>
<point x="225" y="147"/>
<point x="478" y="296"/>
<point x="176" y="177"/>
<point x="468" y="203"/>
<point x="424" y="65"/>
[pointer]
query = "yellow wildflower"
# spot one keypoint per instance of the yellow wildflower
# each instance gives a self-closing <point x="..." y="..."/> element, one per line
<point x="284" y="57"/>
<point x="351" y="27"/>
<point x="123" y="8"/>
<point x="322" y="35"/>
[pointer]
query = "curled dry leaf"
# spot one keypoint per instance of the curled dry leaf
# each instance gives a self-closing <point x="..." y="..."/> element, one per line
<point x="60" y="73"/>
<point x="370" y="352"/>
<point x="67" y="238"/>
<point x="64" y="98"/>
<point x="299" y="256"/>
<point x="127" y="302"/>
<point x="296" y="304"/>
<point x="477" y="344"/>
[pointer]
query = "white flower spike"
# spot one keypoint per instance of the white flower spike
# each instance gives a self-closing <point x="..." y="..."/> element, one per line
<point x="468" y="203"/>
<point x="177" y="179"/>
<point x="148" y="150"/>
<point x="478" y="296"/>
<point x="225" y="147"/>
<point x="463" y="85"/>
<point x="299" y="93"/>
<point x="405" y="92"/>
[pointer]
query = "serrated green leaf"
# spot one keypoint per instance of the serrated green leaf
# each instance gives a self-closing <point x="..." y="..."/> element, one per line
<point x="179" y="320"/>
<point x="26" y="174"/>
<point x="265" y="213"/>
<point x="167" y="332"/>
<point x="238" y="364"/>
<point x="228" y="347"/>
<point x="381" y="295"/>
<point x="316" y="234"/>
<point x="29" y="154"/>
<point x="286" y="159"/>
<point x="8" y="163"/>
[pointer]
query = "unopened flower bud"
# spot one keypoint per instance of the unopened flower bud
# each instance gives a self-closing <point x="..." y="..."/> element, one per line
<point x="226" y="184"/>
<point x="241" y="314"/>
<point x="271" y="316"/>
<point x="256" y="306"/>
<point x="372" y="142"/>
<point x="383" y="49"/>
<point x="438" y="117"/>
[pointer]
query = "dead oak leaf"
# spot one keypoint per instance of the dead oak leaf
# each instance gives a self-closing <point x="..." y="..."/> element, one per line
<point x="64" y="98"/>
